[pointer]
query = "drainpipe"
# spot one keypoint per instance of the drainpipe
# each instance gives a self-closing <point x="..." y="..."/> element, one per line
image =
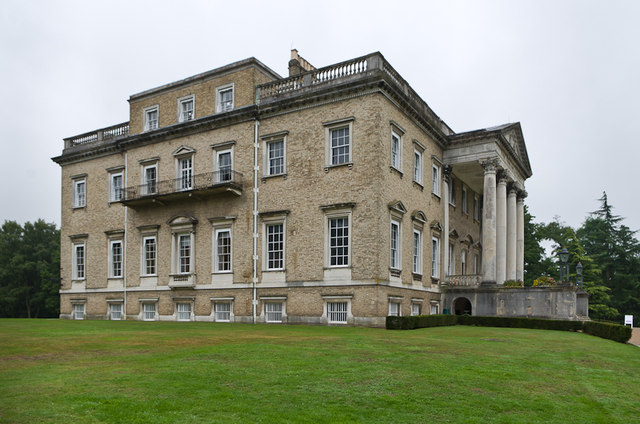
<point x="255" y="216"/>
<point x="126" y="210"/>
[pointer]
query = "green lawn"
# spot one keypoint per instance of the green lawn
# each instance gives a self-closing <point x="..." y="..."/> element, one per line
<point x="55" y="371"/>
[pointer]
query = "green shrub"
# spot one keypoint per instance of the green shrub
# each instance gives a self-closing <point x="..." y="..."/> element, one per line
<point x="513" y="283"/>
<point x="521" y="322"/>
<point x="615" y="332"/>
<point x="420" y="321"/>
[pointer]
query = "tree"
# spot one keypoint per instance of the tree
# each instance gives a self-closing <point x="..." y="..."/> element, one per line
<point x="534" y="258"/>
<point x="29" y="270"/>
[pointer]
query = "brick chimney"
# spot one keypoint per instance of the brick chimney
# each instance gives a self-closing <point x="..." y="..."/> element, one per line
<point x="298" y="65"/>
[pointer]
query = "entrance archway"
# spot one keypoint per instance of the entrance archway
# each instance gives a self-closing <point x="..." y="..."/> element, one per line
<point x="462" y="306"/>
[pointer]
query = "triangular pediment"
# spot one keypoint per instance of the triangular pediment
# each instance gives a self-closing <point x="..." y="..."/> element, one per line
<point x="397" y="206"/>
<point x="183" y="150"/>
<point x="467" y="240"/>
<point x="453" y="234"/>
<point x="436" y="226"/>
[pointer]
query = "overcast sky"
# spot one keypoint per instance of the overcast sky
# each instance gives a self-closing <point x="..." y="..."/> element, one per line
<point x="569" y="71"/>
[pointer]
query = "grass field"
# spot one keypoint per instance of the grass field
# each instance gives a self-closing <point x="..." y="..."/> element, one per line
<point x="55" y="371"/>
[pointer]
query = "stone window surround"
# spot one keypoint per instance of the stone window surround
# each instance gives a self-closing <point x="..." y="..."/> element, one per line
<point x="78" y="240"/>
<point x="221" y="223"/>
<point x="266" y="140"/>
<point x="148" y="301"/>
<point x="186" y="99"/>
<point x="274" y="299"/>
<point x="189" y="300"/>
<point x="346" y="298"/>
<point x="337" y="124"/>
<point x="271" y="218"/>
<point x="397" y="132"/>
<point x="76" y="203"/>
<point x="219" y="90"/>
<point x="145" y="117"/>
<point x="220" y="300"/>
<point x="341" y="210"/>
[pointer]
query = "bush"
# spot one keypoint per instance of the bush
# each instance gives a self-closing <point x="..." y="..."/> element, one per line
<point x="516" y="322"/>
<point x="544" y="281"/>
<point x="615" y="332"/>
<point x="420" y="321"/>
<point x="513" y="283"/>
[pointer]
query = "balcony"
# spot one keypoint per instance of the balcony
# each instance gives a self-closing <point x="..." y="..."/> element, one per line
<point x="182" y="281"/>
<point x="198" y="186"/>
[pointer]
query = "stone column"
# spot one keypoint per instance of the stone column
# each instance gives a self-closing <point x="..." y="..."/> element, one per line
<point x="501" y="228"/>
<point x="489" y="223"/>
<point x="511" y="233"/>
<point x="446" y="176"/>
<point x="520" y="236"/>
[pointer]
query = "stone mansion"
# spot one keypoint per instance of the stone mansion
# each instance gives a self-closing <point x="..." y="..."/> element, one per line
<point x="332" y="196"/>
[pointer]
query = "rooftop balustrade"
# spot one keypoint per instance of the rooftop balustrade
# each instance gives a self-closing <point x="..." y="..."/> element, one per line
<point x="104" y="134"/>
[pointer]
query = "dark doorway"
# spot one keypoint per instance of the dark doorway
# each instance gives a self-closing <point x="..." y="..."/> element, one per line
<point x="462" y="306"/>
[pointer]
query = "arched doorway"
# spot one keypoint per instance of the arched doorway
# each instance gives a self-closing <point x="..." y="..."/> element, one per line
<point x="462" y="306"/>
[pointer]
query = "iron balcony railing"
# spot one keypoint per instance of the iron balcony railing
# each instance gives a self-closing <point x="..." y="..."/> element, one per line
<point x="188" y="183"/>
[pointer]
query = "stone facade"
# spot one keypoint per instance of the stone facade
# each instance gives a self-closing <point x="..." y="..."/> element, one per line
<point x="238" y="195"/>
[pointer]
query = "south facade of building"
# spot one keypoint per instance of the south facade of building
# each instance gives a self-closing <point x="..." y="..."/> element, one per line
<point x="332" y="196"/>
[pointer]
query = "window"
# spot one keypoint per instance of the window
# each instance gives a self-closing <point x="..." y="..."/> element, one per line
<point x="417" y="251"/>
<point x="185" y="169"/>
<point x="225" y="98"/>
<point x="452" y="191"/>
<point x="115" y="259"/>
<point x="149" y="311"/>
<point x="151" y="118"/>
<point x="476" y="208"/>
<point x="451" y="265"/>
<point x="186" y="109"/>
<point x="150" y="179"/>
<point x="222" y="311"/>
<point x="275" y="246"/>
<point x="417" y="166"/>
<point x="184" y="311"/>
<point x="465" y="208"/>
<point x="463" y="262"/>
<point x="79" y="193"/>
<point x="275" y="157"/>
<point x="435" y="256"/>
<point x="273" y="311"/>
<point x="78" y="261"/>
<point x="395" y="245"/>
<point x="339" y="241"/>
<point x="184" y="253"/>
<point x="339" y="145"/>
<point x="396" y="151"/>
<point x="434" y="309"/>
<point x="223" y="250"/>
<point x="436" y="179"/>
<point x="149" y="253"/>
<point x="415" y="309"/>
<point x="224" y="165"/>
<point x="115" y="311"/>
<point x="337" y="312"/>
<point x="394" y="309"/>
<point x="78" y="310"/>
<point x="115" y="188"/>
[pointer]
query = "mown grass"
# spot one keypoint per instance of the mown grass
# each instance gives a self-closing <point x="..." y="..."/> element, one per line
<point x="55" y="371"/>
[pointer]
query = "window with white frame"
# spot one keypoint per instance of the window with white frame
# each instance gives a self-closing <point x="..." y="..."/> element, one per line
<point x="274" y="239"/>
<point x="463" y="262"/>
<point x="115" y="311"/>
<point x="115" y="259"/>
<point x="273" y="311"/>
<point x="451" y="265"/>
<point x="79" y="193"/>
<point x="150" y="179"/>
<point x="223" y="250"/>
<point x="435" y="256"/>
<point x="183" y="249"/>
<point x="275" y="157"/>
<point x="78" y="310"/>
<point x="151" y="118"/>
<point x="415" y="309"/>
<point x="465" y="207"/>
<point x="417" y="251"/>
<point x="149" y="311"/>
<point x="394" y="308"/>
<point x="340" y="145"/>
<point x="396" y="151"/>
<point x="435" y="175"/>
<point x="222" y="311"/>
<point x="476" y="208"/>
<point x="185" y="173"/>
<point x="78" y="261"/>
<point x="338" y="241"/>
<point x="452" y="191"/>
<point x="149" y="255"/>
<point x="224" y="165"/>
<point x="417" y="166"/>
<point x="337" y="312"/>
<point x="186" y="107"/>
<point x="395" y="245"/>
<point x="184" y="311"/>
<point x="224" y="96"/>
<point x="434" y="309"/>
<point x="116" y="186"/>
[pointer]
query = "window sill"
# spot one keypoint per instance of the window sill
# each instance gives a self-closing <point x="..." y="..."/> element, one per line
<point x="114" y="278"/>
<point x="395" y="272"/>
<point x="393" y="169"/>
<point x="435" y="196"/>
<point x="417" y="277"/>
<point x="78" y="207"/>
<point x="222" y="273"/>
<point x="346" y="164"/>
<point x="338" y="267"/>
<point x="419" y="185"/>
<point x="275" y="270"/>
<point x="266" y="177"/>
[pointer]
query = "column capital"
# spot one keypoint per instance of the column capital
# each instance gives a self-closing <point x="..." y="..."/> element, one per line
<point x="490" y="165"/>
<point x="502" y="176"/>
<point x="446" y="173"/>
<point x="522" y="194"/>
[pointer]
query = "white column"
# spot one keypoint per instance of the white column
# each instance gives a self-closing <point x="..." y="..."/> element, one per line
<point x="520" y="237"/>
<point x="501" y="228"/>
<point x="489" y="223"/>
<point x="446" y="175"/>
<point x="511" y="234"/>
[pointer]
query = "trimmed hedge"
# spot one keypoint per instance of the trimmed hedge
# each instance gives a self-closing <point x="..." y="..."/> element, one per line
<point x="615" y="332"/>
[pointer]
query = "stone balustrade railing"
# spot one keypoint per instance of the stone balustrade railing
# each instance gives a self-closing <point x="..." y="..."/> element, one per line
<point x="467" y="280"/>
<point x="104" y="134"/>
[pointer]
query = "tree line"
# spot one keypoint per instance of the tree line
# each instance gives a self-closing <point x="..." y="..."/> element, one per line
<point x="608" y="251"/>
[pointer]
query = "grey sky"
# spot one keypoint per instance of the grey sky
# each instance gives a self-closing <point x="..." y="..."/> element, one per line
<point x="567" y="70"/>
